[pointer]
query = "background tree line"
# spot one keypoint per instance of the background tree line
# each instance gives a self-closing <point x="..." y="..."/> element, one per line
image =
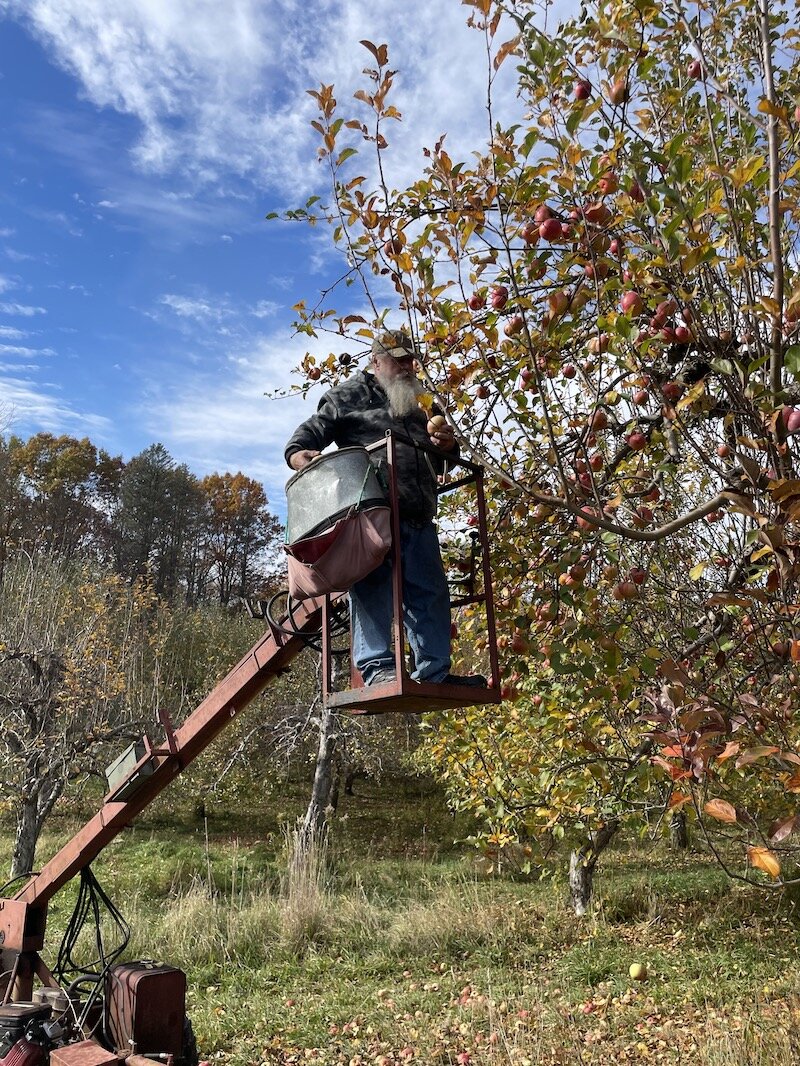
<point x="199" y="539"/>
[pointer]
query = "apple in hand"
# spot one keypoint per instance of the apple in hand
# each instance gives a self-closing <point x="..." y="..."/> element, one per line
<point x="441" y="433"/>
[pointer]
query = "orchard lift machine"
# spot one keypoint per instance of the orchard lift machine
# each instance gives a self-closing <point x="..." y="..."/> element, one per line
<point x="134" y="1011"/>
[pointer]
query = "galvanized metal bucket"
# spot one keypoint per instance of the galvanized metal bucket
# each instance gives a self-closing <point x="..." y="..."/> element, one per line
<point x="330" y="487"/>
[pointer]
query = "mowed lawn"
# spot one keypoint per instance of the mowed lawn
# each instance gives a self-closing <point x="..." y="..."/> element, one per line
<point x="397" y="946"/>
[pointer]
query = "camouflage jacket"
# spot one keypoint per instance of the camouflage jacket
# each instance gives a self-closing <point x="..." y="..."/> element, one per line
<point x="356" y="412"/>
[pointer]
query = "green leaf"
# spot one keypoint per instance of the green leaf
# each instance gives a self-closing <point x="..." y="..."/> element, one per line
<point x="791" y="360"/>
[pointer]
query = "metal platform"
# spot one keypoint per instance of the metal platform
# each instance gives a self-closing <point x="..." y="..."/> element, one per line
<point x="413" y="697"/>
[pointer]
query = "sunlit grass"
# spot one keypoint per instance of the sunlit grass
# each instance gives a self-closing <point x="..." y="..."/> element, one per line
<point x="357" y="955"/>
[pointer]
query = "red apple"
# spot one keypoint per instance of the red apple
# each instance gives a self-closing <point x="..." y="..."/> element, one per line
<point x="695" y="69"/>
<point x="514" y="326"/>
<point x="559" y="302"/>
<point x="530" y="233"/>
<point x="723" y="450"/>
<point x="636" y="192"/>
<point x="569" y="371"/>
<point x="542" y="212"/>
<point x="597" y="213"/>
<point x="641" y="397"/>
<point x="498" y="297"/>
<point x="672" y="390"/>
<point x="618" y="91"/>
<point x="608" y="183"/>
<point x="583" y="89"/>
<point x="683" y="334"/>
<point x="599" y="343"/>
<point x="615" y="247"/>
<point x="476" y="302"/>
<point x="624" y="590"/>
<point x="598" y="420"/>
<point x="584" y="523"/>
<point x="393" y="246"/>
<point x="637" y="441"/>
<point x="550" y="230"/>
<point x="596" y="461"/>
<point x="637" y="575"/>
<point x="631" y="303"/>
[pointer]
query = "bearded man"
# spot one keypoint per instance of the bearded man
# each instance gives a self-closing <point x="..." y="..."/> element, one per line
<point x="359" y="412"/>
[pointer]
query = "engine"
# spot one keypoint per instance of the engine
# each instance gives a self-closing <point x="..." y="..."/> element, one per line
<point x="24" y="1040"/>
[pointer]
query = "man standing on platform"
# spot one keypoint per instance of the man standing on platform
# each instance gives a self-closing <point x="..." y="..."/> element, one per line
<point x="359" y="412"/>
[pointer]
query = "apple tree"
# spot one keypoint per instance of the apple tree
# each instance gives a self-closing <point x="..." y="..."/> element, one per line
<point x="608" y="295"/>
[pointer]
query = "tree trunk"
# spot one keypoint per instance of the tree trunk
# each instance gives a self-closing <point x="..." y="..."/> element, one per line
<point x="315" y="821"/>
<point x="29" y="825"/>
<point x="31" y="816"/>
<point x="679" y="830"/>
<point x="582" y="863"/>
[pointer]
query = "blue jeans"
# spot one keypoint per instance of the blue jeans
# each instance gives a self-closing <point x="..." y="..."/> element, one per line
<point x="426" y="609"/>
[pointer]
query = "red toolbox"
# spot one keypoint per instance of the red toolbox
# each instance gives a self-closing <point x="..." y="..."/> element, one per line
<point x="145" y="1008"/>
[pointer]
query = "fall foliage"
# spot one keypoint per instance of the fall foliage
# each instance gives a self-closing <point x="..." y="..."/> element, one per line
<point x="608" y="296"/>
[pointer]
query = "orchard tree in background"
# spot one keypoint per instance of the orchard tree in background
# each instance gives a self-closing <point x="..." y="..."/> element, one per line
<point x="80" y="666"/>
<point x="609" y="297"/>
<point x="241" y="533"/>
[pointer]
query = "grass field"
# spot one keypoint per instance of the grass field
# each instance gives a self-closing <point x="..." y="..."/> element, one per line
<point x="395" y="946"/>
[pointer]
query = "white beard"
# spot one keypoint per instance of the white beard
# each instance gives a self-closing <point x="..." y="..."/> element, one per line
<point x="402" y="394"/>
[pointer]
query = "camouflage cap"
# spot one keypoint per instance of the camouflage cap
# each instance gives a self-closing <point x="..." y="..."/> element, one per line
<point x="396" y="344"/>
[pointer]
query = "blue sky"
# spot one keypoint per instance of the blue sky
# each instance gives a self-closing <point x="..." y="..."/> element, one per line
<point x="143" y="297"/>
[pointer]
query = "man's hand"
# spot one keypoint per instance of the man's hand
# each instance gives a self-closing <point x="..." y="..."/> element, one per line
<point x="441" y="434"/>
<point x="297" y="460"/>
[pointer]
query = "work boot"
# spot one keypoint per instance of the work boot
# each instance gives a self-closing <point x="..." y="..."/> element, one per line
<point x="468" y="680"/>
<point x="387" y="676"/>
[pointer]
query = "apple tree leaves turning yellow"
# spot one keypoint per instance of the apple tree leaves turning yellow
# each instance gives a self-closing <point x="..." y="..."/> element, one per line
<point x="606" y="292"/>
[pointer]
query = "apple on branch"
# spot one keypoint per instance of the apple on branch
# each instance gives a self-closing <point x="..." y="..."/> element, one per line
<point x="550" y="230"/>
<point x="583" y="89"/>
<point x="498" y="297"/>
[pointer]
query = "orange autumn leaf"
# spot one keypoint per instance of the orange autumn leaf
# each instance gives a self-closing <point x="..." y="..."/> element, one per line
<point x="721" y="810"/>
<point x="766" y="860"/>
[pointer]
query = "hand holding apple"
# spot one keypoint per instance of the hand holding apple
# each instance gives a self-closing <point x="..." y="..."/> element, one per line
<point x="442" y="435"/>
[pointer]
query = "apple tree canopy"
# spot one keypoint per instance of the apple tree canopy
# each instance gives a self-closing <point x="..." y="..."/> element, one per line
<point x="609" y="296"/>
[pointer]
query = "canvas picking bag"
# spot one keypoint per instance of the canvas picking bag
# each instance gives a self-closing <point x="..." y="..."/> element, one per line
<point x="338" y="525"/>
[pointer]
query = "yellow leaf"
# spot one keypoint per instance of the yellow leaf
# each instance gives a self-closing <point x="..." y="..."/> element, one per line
<point x="697" y="571"/>
<point x="505" y="50"/>
<point x="781" y="490"/>
<point x="746" y="169"/>
<point x="721" y="810"/>
<point x="690" y="261"/>
<point x="766" y="860"/>
<point x="694" y="393"/>
<point x="767" y="107"/>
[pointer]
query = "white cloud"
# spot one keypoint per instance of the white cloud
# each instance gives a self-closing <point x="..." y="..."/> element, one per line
<point x="265" y="309"/>
<point x="14" y="349"/>
<point x="6" y="283"/>
<point x="222" y="420"/>
<point x="24" y="310"/>
<point x="219" y="89"/>
<point x="22" y="257"/>
<point x="12" y="334"/>
<point x="32" y="407"/>
<point x="6" y="231"/>
<point x="200" y="310"/>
